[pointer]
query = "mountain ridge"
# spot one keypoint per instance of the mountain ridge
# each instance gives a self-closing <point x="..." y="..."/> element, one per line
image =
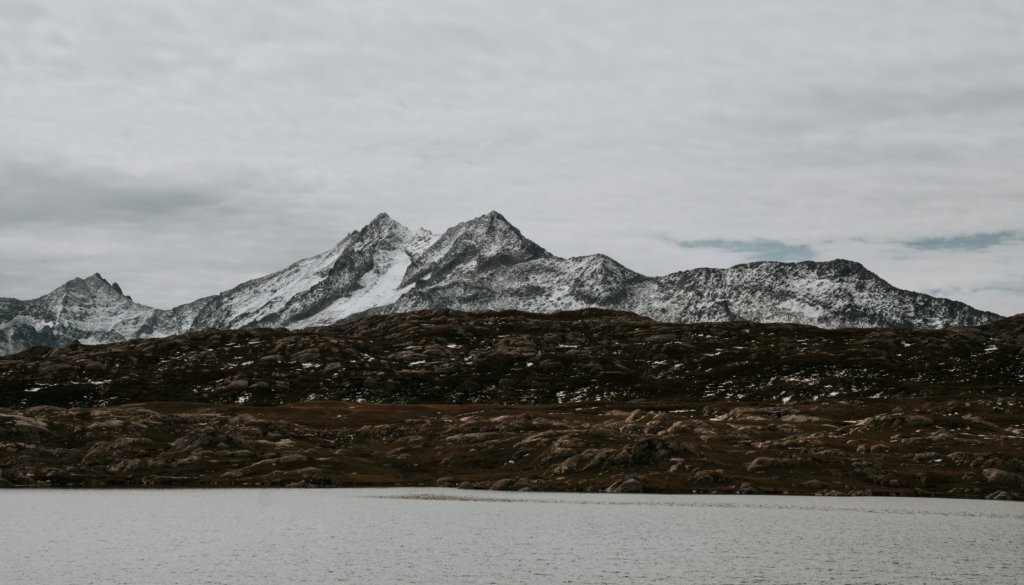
<point x="485" y="263"/>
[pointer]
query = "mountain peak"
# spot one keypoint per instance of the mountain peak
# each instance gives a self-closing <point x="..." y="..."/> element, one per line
<point x="841" y="268"/>
<point x="382" y="218"/>
<point x="604" y="262"/>
<point x="485" y="242"/>
<point x="89" y="284"/>
<point x="382" y="227"/>
<point x="490" y="217"/>
<point x="491" y="225"/>
<point x="847" y="266"/>
<point x="93" y="288"/>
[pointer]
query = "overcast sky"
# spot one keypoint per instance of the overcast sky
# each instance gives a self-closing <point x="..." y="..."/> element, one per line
<point x="182" y="147"/>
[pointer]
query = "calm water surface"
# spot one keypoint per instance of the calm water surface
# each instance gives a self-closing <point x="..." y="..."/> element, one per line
<point x="388" y="536"/>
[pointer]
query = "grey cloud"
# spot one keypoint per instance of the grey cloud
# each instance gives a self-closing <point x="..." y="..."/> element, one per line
<point x="52" y="193"/>
<point x="22" y="11"/>
<point x="213" y="141"/>
<point x="920" y="100"/>
<point x="165" y="238"/>
<point x="964" y="242"/>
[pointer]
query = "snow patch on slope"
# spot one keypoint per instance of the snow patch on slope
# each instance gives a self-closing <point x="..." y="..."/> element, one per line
<point x="379" y="287"/>
<point x="261" y="297"/>
<point x="375" y="289"/>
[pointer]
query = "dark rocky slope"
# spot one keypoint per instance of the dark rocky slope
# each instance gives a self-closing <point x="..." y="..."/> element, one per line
<point x="964" y="447"/>
<point x="443" y="356"/>
<point x="593" y="400"/>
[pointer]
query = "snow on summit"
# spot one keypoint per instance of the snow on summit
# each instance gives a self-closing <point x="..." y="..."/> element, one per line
<point x="482" y="264"/>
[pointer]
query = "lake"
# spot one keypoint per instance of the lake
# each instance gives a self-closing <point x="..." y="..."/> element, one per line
<point x="436" y="536"/>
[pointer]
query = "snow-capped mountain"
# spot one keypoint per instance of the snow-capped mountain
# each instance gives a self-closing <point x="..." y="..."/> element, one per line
<point x="90" y="310"/>
<point x="361" y="272"/>
<point x="497" y="268"/>
<point x="482" y="264"/>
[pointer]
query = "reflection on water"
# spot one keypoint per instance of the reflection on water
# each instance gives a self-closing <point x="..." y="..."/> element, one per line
<point x="448" y="536"/>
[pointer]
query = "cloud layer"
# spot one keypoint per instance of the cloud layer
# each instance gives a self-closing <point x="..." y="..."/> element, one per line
<point x="182" y="147"/>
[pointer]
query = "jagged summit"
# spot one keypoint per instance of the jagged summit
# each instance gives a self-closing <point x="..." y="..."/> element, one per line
<point x="382" y="228"/>
<point x="604" y="262"/>
<point x="479" y="264"/>
<point x="94" y="280"/>
<point x="381" y="223"/>
<point x="490" y="217"/>
<point x="91" y="310"/>
<point x="91" y="287"/>
<point x="484" y="243"/>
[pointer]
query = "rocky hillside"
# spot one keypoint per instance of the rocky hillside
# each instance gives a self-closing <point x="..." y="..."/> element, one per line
<point x="482" y="264"/>
<point x="445" y="356"/>
<point x="587" y="400"/>
<point x="958" y="447"/>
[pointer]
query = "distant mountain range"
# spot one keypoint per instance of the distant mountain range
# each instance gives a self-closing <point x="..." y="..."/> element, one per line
<point x="482" y="264"/>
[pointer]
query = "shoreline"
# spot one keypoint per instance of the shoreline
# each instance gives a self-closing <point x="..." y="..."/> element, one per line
<point x="469" y="493"/>
<point x="423" y="492"/>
